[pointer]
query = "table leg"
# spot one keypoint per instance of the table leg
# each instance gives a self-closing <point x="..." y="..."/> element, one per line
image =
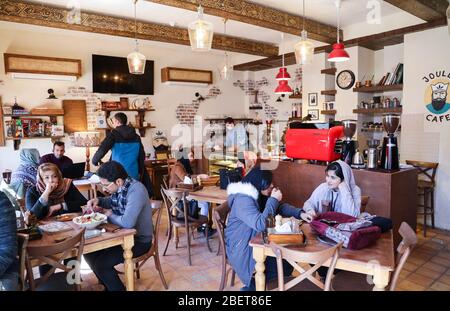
<point x="380" y="279"/>
<point x="128" y="243"/>
<point x="260" y="277"/>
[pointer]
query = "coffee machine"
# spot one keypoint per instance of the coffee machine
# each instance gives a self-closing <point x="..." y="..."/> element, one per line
<point x="389" y="153"/>
<point x="349" y="145"/>
<point x="372" y="153"/>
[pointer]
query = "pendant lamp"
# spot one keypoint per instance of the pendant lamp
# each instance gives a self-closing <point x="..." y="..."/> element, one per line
<point x="200" y="33"/>
<point x="136" y="61"/>
<point x="339" y="54"/>
<point x="283" y="76"/>
<point x="225" y="69"/>
<point x="304" y="49"/>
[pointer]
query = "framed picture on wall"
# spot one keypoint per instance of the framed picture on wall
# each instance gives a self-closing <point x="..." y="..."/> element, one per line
<point x="314" y="114"/>
<point x="312" y="99"/>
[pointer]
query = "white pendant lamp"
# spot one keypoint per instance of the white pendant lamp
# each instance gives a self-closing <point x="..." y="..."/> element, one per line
<point x="225" y="69"/>
<point x="136" y="61"/>
<point x="339" y="54"/>
<point x="304" y="49"/>
<point x="200" y="33"/>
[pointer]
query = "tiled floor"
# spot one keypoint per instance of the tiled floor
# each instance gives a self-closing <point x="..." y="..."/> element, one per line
<point x="428" y="267"/>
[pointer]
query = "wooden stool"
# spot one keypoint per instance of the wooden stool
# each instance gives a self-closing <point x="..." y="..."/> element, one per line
<point x="425" y="187"/>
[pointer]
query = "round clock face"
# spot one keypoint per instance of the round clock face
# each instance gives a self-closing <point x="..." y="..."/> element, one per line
<point x="345" y="79"/>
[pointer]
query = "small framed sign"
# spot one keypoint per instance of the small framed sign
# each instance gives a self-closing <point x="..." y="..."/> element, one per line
<point x="312" y="99"/>
<point x="314" y="114"/>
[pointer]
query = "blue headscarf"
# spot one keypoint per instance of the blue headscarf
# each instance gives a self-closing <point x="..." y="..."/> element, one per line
<point x="24" y="176"/>
<point x="261" y="180"/>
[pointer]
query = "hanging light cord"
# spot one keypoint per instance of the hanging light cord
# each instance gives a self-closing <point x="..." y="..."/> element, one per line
<point x="303" y="14"/>
<point x="338" y="4"/>
<point x="135" y="25"/>
<point x="282" y="41"/>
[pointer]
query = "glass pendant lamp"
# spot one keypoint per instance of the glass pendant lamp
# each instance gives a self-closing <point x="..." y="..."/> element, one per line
<point x="200" y="33"/>
<point x="225" y="69"/>
<point x="304" y="49"/>
<point x="136" y="61"/>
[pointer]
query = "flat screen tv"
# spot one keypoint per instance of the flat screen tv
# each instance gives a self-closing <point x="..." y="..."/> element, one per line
<point x="111" y="75"/>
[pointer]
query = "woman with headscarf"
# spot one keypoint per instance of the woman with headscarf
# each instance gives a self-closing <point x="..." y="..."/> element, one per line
<point x="53" y="194"/>
<point x="24" y="176"/>
<point x="339" y="190"/>
<point x="251" y="202"/>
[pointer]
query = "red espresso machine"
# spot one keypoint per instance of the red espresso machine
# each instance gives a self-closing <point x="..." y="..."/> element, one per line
<point x="314" y="141"/>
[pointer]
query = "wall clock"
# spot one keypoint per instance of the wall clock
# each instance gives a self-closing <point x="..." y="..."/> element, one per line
<point x="345" y="79"/>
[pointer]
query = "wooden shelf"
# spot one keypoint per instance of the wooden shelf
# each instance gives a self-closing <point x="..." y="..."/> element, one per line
<point x="379" y="88"/>
<point x="329" y="71"/>
<point x="295" y="119"/>
<point x="298" y="96"/>
<point x="328" y="112"/>
<point x="223" y="119"/>
<point x="140" y="110"/>
<point x="256" y="108"/>
<point x="34" y="137"/>
<point x="329" y="92"/>
<point x="378" y="110"/>
<point x="33" y="115"/>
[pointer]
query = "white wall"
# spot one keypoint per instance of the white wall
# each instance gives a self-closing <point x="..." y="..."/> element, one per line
<point x="33" y="40"/>
<point x="427" y="52"/>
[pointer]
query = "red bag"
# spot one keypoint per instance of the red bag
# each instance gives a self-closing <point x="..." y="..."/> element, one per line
<point x="326" y="225"/>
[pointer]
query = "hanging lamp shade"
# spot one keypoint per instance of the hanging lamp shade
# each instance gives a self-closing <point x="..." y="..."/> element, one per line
<point x="225" y="69"/>
<point x="283" y="74"/>
<point x="283" y="88"/>
<point x="200" y="33"/>
<point x="136" y="63"/>
<point x="304" y="50"/>
<point x="339" y="54"/>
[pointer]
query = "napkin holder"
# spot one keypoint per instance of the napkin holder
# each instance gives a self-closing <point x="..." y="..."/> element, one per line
<point x="297" y="238"/>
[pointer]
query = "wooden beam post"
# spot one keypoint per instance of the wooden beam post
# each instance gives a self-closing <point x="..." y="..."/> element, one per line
<point x="428" y="10"/>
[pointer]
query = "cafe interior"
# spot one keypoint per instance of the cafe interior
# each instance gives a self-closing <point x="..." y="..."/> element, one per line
<point x="178" y="145"/>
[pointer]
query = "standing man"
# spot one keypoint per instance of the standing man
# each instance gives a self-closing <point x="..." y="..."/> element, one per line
<point x="236" y="137"/>
<point x="127" y="149"/>
<point x="57" y="157"/>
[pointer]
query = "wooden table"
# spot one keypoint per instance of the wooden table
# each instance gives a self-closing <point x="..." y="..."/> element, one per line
<point x="377" y="260"/>
<point x="86" y="185"/>
<point x="211" y="194"/>
<point x="122" y="237"/>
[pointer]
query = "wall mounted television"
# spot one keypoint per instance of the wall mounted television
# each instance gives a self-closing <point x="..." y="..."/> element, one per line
<point x="110" y="75"/>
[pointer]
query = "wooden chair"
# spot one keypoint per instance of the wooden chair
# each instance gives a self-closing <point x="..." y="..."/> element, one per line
<point x="295" y="256"/>
<point x="171" y="198"/>
<point x="220" y="215"/>
<point x="165" y="181"/>
<point x="364" y="202"/>
<point x="425" y="187"/>
<point x="54" y="255"/>
<point x="22" y="243"/>
<point x="346" y="281"/>
<point x="153" y="251"/>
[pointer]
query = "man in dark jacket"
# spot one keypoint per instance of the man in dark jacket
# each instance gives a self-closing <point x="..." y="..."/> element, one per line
<point x="127" y="149"/>
<point x="9" y="268"/>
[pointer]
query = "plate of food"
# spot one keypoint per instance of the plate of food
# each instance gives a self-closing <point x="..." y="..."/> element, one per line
<point x="90" y="221"/>
<point x="67" y="217"/>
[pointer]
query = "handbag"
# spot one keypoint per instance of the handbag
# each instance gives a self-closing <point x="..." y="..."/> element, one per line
<point x="193" y="209"/>
<point x="228" y="176"/>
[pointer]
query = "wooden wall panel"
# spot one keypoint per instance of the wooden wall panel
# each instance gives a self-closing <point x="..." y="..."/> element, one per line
<point x="75" y="116"/>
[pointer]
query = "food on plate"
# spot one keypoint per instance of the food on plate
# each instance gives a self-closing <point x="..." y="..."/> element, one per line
<point x="89" y="218"/>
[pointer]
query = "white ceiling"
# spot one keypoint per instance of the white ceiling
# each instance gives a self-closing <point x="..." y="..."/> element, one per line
<point x="352" y="12"/>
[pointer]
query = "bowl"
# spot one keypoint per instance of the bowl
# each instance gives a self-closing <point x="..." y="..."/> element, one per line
<point x="90" y="221"/>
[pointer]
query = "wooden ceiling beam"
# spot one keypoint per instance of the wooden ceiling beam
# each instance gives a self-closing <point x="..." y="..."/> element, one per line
<point x="259" y="15"/>
<point x="55" y="17"/>
<point x="372" y="42"/>
<point x="428" y="10"/>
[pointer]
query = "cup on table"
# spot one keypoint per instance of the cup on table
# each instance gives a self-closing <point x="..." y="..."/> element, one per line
<point x="326" y="206"/>
<point x="7" y="176"/>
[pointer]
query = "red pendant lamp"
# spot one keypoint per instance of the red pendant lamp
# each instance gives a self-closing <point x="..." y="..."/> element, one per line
<point x="283" y="77"/>
<point x="339" y="54"/>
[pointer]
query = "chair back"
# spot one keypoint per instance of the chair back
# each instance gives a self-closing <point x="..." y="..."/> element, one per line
<point x="157" y="210"/>
<point x="171" y="197"/>
<point x="364" y="202"/>
<point x="403" y="250"/>
<point x="170" y="164"/>
<point x="220" y="215"/>
<point x="54" y="255"/>
<point x="427" y="170"/>
<point x="295" y="256"/>
<point x="165" y="181"/>
<point x="22" y="243"/>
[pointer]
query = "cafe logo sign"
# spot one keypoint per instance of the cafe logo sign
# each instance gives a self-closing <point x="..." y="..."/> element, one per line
<point x="437" y="99"/>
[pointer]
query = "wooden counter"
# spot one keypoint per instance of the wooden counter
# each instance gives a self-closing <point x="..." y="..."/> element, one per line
<point x="392" y="194"/>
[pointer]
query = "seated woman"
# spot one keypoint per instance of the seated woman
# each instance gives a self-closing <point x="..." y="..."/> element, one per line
<point x="128" y="206"/>
<point x="9" y="266"/>
<point x="53" y="194"/>
<point x="340" y="190"/>
<point x="251" y="202"/>
<point x="24" y="176"/>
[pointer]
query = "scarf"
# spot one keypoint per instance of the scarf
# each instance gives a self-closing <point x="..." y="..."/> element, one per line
<point x="26" y="172"/>
<point x="119" y="198"/>
<point x="57" y="195"/>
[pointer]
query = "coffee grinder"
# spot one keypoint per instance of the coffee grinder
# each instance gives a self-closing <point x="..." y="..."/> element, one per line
<point x="372" y="153"/>
<point x="349" y="145"/>
<point x="389" y="153"/>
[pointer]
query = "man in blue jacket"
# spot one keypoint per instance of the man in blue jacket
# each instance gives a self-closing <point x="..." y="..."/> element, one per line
<point x="127" y="149"/>
<point x="9" y="268"/>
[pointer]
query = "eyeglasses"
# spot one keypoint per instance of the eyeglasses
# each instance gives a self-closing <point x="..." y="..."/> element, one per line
<point x="107" y="186"/>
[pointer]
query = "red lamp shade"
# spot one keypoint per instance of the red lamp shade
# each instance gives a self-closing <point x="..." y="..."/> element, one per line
<point x="339" y="54"/>
<point x="283" y="74"/>
<point x="283" y="88"/>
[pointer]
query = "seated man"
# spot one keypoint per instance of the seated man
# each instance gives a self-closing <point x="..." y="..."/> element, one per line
<point x="9" y="268"/>
<point x="57" y="157"/>
<point x="128" y="207"/>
